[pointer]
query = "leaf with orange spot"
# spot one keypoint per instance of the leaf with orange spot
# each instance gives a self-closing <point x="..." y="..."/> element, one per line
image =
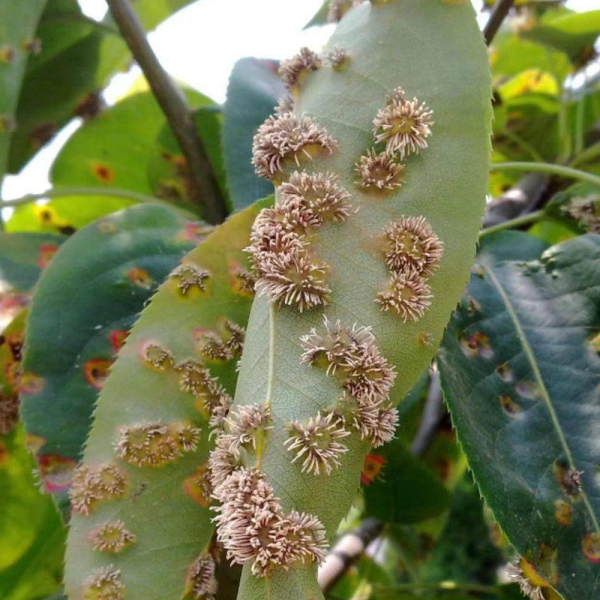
<point x="525" y="414"/>
<point x="122" y="259"/>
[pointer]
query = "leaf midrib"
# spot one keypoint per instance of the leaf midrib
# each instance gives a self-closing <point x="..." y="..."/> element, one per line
<point x="529" y="354"/>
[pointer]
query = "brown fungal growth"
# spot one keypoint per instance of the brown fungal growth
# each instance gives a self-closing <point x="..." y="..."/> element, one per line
<point x="33" y="45"/>
<point x="478" y="344"/>
<point x="198" y="486"/>
<point x="222" y="461"/>
<point x="104" y="584"/>
<point x="318" y="194"/>
<point x="352" y="356"/>
<point x="338" y="8"/>
<point x="157" y="356"/>
<point x="294" y="71"/>
<point x="294" y="278"/>
<point x="93" y="484"/>
<point x="242" y="281"/>
<point x="194" y="377"/>
<point x="112" y="537"/>
<point x="285" y="138"/>
<point x="407" y="294"/>
<point x="186" y="435"/>
<point x="569" y="479"/>
<point x="378" y="172"/>
<point x="247" y="426"/>
<point x="154" y="444"/>
<point x="563" y="513"/>
<point x="591" y="547"/>
<point x="254" y="530"/>
<point x="585" y="210"/>
<point x="403" y="125"/>
<point x="509" y="406"/>
<point x="103" y="173"/>
<point x="317" y="443"/>
<point x="339" y="59"/>
<point x="410" y="243"/>
<point x="9" y="413"/>
<point x="187" y="277"/>
<point x="234" y="336"/>
<point x="211" y="346"/>
<point x="7" y="55"/>
<point x="201" y="580"/>
<point x="521" y="572"/>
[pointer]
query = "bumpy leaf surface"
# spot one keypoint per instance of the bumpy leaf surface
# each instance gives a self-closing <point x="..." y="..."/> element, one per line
<point x="97" y="285"/>
<point x="520" y="370"/>
<point x="165" y="508"/>
<point x="390" y="45"/>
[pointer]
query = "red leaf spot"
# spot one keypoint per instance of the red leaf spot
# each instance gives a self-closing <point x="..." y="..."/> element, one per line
<point x="371" y="468"/>
<point x="46" y="254"/>
<point x="103" y="173"/>
<point x="56" y="471"/>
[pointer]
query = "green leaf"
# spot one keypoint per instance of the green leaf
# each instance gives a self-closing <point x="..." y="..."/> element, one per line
<point x="520" y="373"/>
<point x="404" y="490"/>
<point x="571" y="32"/>
<point x="77" y="59"/>
<point x="121" y="148"/>
<point x="254" y="89"/>
<point x="510" y="55"/>
<point x="31" y="533"/>
<point x="98" y="284"/>
<point x="320" y="17"/>
<point x="18" y="24"/>
<point x="381" y="41"/>
<point x="23" y="256"/>
<point x="165" y="508"/>
<point x="63" y="215"/>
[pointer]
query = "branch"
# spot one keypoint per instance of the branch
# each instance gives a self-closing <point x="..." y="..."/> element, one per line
<point x="496" y="18"/>
<point x="550" y="169"/>
<point x="432" y="415"/>
<point x="347" y="551"/>
<point x="203" y="182"/>
<point x="523" y="197"/>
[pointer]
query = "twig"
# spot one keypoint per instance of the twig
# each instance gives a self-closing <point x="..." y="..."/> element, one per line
<point x="347" y="551"/>
<point x="203" y="182"/>
<point x="549" y="168"/>
<point x="522" y="198"/>
<point x="527" y="219"/>
<point x="432" y="415"/>
<point x="496" y="18"/>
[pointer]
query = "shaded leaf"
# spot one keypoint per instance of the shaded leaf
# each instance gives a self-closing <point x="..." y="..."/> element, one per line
<point x="520" y="372"/>
<point x="18" y="24"/>
<point x="401" y="489"/>
<point x="98" y="284"/>
<point x="23" y="256"/>
<point x="78" y="56"/>
<point x="254" y="90"/>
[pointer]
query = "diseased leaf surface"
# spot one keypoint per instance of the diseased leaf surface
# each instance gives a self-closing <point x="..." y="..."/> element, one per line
<point x="168" y="514"/>
<point x="520" y="370"/>
<point x="97" y="286"/>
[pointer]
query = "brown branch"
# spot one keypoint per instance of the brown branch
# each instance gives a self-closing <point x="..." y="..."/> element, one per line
<point x="203" y="182"/>
<point x="498" y="15"/>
